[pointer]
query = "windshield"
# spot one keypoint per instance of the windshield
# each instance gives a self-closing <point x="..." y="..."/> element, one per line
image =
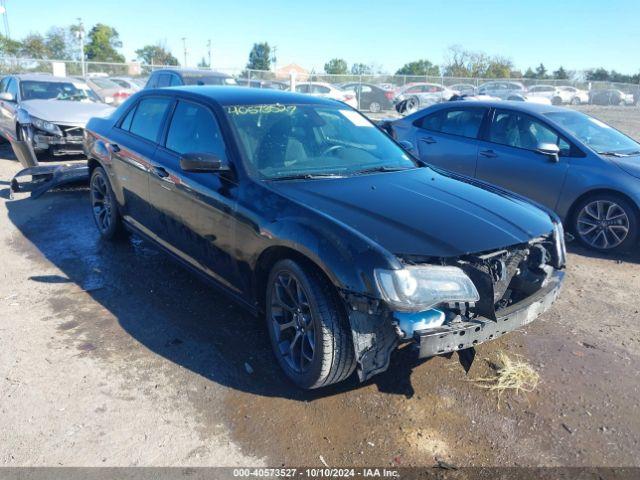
<point x="596" y="134"/>
<point x="208" y="80"/>
<point x="42" y="90"/>
<point x="298" y="140"/>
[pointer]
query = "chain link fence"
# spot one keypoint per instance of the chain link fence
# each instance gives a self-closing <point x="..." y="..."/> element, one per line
<point x="378" y="92"/>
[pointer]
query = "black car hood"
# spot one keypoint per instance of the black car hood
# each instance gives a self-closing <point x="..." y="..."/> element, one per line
<point x="422" y="212"/>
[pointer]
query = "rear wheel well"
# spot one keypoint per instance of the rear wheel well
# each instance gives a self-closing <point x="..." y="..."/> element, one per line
<point x="593" y="193"/>
<point x="269" y="258"/>
<point x="92" y="163"/>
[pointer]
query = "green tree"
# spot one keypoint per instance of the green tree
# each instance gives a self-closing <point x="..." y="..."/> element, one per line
<point x="560" y="73"/>
<point x="60" y="43"/>
<point x="529" y="73"/>
<point x="260" y="57"/>
<point x="419" y="67"/>
<point x="498" y="67"/>
<point x="598" y="75"/>
<point x="335" y="66"/>
<point x="34" y="46"/>
<point x="9" y="47"/>
<point x="102" y="44"/>
<point x="156" y="55"/>
<point x="361" y="69"/>
<point x="203" y="63"/>
<point x="541" y="71"/>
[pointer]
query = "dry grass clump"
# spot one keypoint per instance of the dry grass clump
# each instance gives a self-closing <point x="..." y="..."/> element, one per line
<point x="510" y="374"/>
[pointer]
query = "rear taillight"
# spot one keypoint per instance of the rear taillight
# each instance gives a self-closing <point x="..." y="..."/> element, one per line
<point x="348" y="97"/>
<point x="121" y="95"/>
<point x="389" y="95"/>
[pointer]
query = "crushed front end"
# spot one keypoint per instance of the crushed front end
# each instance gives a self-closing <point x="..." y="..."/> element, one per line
<point x="58" y="139"/>
<point x="445" y="305"/>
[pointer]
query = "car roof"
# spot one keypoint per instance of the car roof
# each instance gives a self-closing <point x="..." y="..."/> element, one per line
<point x="246" y="96"/>
<point x="44" y="77"/>
<point x="192" y="71"/>
<point x="527" y="107"/>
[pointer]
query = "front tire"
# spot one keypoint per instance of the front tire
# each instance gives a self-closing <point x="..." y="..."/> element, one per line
<point x="606" y="222"/>
<point x="374" y="107"/>
<point x="104" y="206"/>
<point x="309" y="330"/>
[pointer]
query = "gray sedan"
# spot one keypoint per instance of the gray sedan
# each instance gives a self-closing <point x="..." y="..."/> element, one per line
<point x="578" y="166"/>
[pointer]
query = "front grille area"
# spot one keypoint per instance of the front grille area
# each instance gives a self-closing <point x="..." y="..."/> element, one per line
<point x="71" y="132"/>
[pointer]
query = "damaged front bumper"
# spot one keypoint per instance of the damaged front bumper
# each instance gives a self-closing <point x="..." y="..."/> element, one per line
<point x="466" y="334"/>
<point x="38" y="180"/>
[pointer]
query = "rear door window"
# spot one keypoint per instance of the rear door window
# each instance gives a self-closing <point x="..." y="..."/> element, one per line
<point x="164" y="80"/>
<point x="464" y="122"/>
<point x="148" y="117"/>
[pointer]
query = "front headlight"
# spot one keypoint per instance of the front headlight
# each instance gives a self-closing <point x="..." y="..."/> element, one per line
<point x="417" y="288"/>
<point x="561" y="247"/>
<point x="46" y="126"/>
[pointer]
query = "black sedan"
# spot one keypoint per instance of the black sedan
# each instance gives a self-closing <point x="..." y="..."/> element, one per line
<point x="370" y="97"/>
<point x="306" y="213"/>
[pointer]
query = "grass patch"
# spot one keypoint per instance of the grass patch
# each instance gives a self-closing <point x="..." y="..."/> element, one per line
<point x="510" y="374"/>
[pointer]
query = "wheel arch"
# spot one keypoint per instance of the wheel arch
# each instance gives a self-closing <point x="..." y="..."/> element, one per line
<point x="269" y="257"/>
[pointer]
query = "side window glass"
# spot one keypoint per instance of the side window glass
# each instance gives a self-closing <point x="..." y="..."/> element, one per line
<point x="464" y="122"/>
<point x="153" y="81"/>
<point x="3" y="84"/>
<point x="522" y="131"/>
<point x="194" y="129"/>
<point x="175" y="80"/>
<point x="164" y="80"/>
<point x="148" y="117"/>
<point x="13" y="87"/>
<point x="126" y="123"/>
<point x="431" y="122"/>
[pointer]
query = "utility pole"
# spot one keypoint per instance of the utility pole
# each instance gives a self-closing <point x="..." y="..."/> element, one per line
<point x="80" y="35"/>
<point x="274" y="58"/>
<point x="5" y="18"/>
<point x="184" y="46"/>
<point x="209" y="53"/>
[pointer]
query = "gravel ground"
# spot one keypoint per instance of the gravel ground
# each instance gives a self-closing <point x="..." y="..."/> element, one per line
<point x="113" y="355"/>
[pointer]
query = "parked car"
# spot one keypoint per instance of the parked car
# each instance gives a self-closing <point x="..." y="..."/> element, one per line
<point x="504" y="90"/>
<point x="556" y="95"/>
<point x="370" y="97"/>
<point x="311" y="216"/>
<point x="108" y="91"/>
<point x="256" y="83"/>
<point x="585" y="170"/>
<point x="577" y="96"/>
<point x="464" y="89"/>
<point x="49" y="112"/>
<point x="610" y="96"/>
<point x="133" y="84"/>
<point x="426" y="93"/>
<point x="326" y="90"/>
<point x="172" y="77"/>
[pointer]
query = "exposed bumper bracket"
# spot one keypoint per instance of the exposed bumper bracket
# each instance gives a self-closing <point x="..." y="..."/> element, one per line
<point x="46" y="177"/>
<point x="461" y="335"/>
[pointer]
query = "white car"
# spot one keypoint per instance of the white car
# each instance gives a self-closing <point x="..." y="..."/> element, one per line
<point x="326" y="90"/>
<point x="426" y="93"/>
<point x="556" y="95"/>
<point x="576" y="96"/>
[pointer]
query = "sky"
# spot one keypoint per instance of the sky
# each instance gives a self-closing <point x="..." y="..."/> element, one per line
<point x="575" y="34"/>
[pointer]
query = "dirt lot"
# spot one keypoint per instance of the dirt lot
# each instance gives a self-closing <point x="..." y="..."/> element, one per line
<point x="113" y="355"/>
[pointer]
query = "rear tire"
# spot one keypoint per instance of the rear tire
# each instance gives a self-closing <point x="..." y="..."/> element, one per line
<point x="309" y="330"/>
<point x="606" y="223"/>
<point x="105" y="206"/>
<point x="374" y="107"/>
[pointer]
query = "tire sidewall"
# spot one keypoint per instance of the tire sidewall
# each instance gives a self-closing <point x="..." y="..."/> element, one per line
<point x="113" y="229"/>
<point x="310" y="377"/>
<point x="375" y="107"/>
<point x="632" y="215"/>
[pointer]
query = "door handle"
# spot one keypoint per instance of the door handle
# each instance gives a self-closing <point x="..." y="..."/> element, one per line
<point x="114" y="147"/>
<point x="428" y="140"/>
<point x="488" y="153"/>
<point x="159" y="171"/>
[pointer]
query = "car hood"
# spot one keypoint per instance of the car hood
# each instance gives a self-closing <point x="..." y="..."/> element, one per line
<point x="422" y="212"/>
<point x="631" y="165"/>
<point x="66" y="111"/>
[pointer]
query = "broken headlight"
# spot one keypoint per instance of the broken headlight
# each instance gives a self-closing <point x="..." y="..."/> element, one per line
<point x="416" y="288"/>
<point x="46" y="126"/>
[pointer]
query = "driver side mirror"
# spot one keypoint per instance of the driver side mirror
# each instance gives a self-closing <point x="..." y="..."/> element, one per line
<point x="9" y="97"/>
<point x="551" y="150"/>
<point x="203" y="162"/>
